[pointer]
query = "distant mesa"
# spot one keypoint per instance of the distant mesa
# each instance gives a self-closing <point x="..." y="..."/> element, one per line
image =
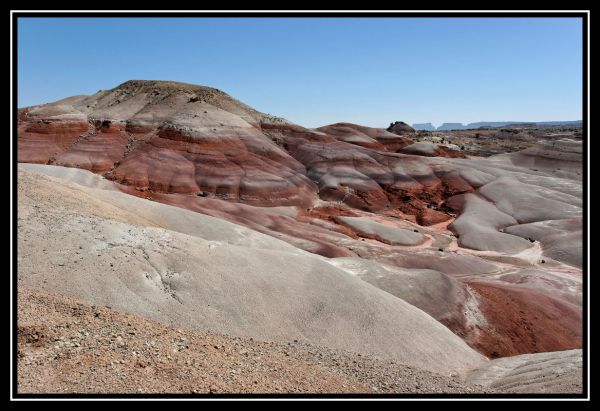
<point x="400" y="127"/>
<point x="451" y="126"/>
<point x="424" y="126"/>
<point x="521" y="125"/>
<point x="486" y="124"/>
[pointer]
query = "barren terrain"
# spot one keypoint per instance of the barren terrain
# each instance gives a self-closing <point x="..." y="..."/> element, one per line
<point x="433" y="262"/>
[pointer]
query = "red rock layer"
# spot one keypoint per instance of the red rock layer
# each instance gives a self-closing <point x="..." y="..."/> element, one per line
<point x="370" y="179"/>
<point x="97" y="150"/>
<point x="40" y="141"/>
<point x="369" y="137"/>
<point x="522" y="321"/>
<point x="443" y="151"/>
<point x="176" y="161"/>
<point x="170" y="137"/>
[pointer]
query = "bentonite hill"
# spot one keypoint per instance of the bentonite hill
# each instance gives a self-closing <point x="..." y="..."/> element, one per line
<point x="173" y="239"/>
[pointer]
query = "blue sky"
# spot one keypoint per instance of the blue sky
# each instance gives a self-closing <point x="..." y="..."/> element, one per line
<point x="318" y="71"/>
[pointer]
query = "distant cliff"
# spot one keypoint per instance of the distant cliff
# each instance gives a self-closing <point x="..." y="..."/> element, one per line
<point x="451" y="126"/>
<point x="424" y="126"/>
<point x="528" y="124"/>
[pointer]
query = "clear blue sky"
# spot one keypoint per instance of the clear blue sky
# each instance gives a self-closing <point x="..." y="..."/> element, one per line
<point x="319" y="71"/>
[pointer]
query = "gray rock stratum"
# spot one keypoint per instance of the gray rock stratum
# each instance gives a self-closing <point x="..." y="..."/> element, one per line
<point x="236" y="282"/>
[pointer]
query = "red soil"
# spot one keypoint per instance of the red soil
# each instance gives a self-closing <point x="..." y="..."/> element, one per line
<point x="521" y="322"/>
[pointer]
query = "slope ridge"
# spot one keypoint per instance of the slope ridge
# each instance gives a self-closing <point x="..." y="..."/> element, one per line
<point x="226" y="288"/>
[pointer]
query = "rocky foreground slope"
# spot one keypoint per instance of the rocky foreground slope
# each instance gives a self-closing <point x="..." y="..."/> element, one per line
<point x="347" y="237"/>
<point x="66" y="345"/>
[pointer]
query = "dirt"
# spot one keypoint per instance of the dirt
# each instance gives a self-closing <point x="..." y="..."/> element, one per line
<point x="521" y="322"/>
<point x="68" y="346"/>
